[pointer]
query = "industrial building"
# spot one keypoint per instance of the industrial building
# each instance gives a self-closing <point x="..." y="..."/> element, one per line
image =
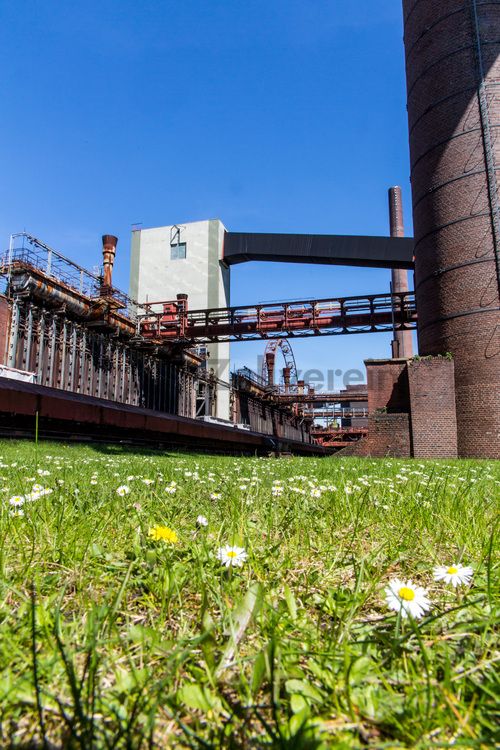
<point x="160" y="355"/>
<point x="186" y="259"/>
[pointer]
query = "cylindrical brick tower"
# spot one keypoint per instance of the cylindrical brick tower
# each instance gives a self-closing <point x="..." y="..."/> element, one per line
<point x="453" y="76"/>
<point x="402" y="345"/>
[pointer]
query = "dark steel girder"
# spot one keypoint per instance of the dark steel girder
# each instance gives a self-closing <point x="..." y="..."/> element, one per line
<point x="330" y="249"/>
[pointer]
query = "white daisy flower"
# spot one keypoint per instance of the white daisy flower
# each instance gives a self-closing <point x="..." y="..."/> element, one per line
<point x="455" y="574"/>
<point x="277" y="491"/>
<point x="315" y="492"/>
<point x="170" y="490"/>
<point x="231" y="556"/>
<point x="407" y="598"/>
<point x="147" y="481"/>
<point x="16" y="501"/>
<point x="37" y="494"/>
<point x="202" y="521"/>
<point x="215" y="496"/>
<point x="123" y="490"/>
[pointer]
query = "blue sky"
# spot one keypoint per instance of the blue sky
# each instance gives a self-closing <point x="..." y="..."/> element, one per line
<point x="270" y="115"/>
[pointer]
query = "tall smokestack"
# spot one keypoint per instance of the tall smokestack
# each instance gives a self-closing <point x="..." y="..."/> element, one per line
<point x="109" y="243"/>
<point x="270" y="367"/>
<point x="402" y="345"/>
<point x="286" y="378"/>
<point x="452" y="72"/>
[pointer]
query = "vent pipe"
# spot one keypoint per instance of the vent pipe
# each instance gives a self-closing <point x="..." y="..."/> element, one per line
<point x="109" y="243"/>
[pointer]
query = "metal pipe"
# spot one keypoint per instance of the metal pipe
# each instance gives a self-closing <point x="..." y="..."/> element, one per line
<point x="109" y="242"/>
<point x="52" y="351"/>
<point x="47" y="291"/>
<point x="28" y="336"/>
<point x="73" y="355"/>
<point x="270" y="358"/>
<point x="62" y="359"/>
<point x="286" y="378"/>
<point x="14" y="333"/>
<point x="41" y="345"/>
<point x="122" y="375"/>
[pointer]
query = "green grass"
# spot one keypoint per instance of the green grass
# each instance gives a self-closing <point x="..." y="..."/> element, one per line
<point x="110" y="639"/>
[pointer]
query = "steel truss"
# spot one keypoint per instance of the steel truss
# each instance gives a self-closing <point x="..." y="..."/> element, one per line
<point x="172" y="321"/>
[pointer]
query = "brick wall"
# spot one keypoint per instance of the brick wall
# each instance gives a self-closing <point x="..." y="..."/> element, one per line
<point x="4" y="328"/>
<point x="389" y="435"/>
<point x="433" y="412"/>
<point x="411" y="408"/>
<point x="387" y="385"/>
<point x="456" y="280"/>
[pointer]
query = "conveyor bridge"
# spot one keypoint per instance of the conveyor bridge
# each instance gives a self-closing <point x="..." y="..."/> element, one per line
<point x="173" y="321"/>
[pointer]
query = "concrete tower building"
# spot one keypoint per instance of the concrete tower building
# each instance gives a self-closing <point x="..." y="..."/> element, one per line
<point x="453" y="74"/>
<point x="187" y="259"/>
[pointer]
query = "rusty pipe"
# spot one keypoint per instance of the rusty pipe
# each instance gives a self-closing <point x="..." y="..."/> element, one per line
<point x="286" y="378"/>
<point x="270" y="367"/>
<point x="109" y="242"/>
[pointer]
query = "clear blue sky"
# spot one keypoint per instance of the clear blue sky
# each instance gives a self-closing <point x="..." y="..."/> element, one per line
<point x="270" y="115"/>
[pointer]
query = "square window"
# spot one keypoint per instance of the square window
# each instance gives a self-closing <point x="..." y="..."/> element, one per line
<point x="178" y="251"/>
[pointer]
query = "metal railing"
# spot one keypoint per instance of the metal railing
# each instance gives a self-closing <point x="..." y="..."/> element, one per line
<point x="33" y="253"/>
<point x="342" y="315"/>
<point x="253" y="377"/>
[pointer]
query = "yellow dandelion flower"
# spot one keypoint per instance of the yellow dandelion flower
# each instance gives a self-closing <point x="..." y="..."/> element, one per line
<point x="163" y="534"/>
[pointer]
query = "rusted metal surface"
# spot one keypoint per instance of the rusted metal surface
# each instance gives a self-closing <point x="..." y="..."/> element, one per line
<point x="109" y="243"/>
<point x="296" y="394"/>
<point x="71" y="354"/>
<point x="67" y="415"/>
<point x="172" y="321"/>
<point x="85" y="344"/>
<point x="339" y="437"/>
<point x="102" y="311"/>
<point x="269" y="360"/>
<point x="269" y="418"/>
<point x="338" y="413"/>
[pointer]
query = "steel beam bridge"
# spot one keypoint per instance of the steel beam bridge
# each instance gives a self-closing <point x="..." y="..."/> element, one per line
<point x="161" y="322"/>
<point x="374" y="252"/>
<point x="296" y="397"/>
<point x="339" y="413"/>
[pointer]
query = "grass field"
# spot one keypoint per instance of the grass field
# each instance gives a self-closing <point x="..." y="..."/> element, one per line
<point x="121" y="627"/>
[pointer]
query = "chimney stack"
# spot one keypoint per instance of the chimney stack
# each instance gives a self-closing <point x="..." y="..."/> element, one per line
<point x="286" y="378"/>
<point x="109" y="243"/>
<point x="402" y="345"/>
<point x="270" y="367"/>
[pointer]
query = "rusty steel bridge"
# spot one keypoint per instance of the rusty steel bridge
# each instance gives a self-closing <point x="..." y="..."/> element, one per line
<point x="172" y="321"/>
